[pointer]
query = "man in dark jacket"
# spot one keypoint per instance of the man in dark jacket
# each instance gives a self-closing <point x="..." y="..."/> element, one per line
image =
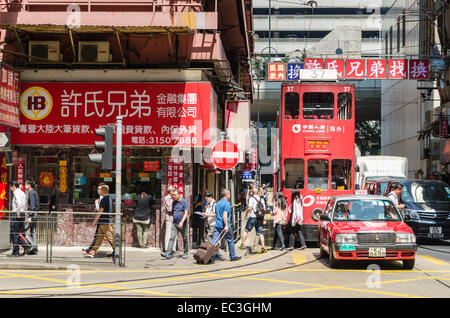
<point x="33" y="205"/>
<point x="141" y="218"/>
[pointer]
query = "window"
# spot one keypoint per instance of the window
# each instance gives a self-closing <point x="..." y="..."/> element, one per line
<point x="390" y="40"/>
<point x="344" y="106"/>
<point x="318" y="174"/>
<point x="386" y="42"/>
<point x="365" y="210"/>
<point x="318" y="105"/>
<point x="398" y="34"/>
<point x="403" y="28"/>
<point x="291" y="106"/>
<point x="294" y="173"/>
<point x="46" y="177"/>
<point x="341" y="174"/>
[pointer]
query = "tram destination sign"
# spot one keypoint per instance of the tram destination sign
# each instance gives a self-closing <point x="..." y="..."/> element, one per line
<point x="351" y="69"/>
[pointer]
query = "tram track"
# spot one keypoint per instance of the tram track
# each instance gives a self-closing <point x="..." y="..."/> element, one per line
<point x="212" y="271"/>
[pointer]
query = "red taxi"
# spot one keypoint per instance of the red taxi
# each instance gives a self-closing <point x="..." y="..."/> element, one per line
<point x="365" y="227"/>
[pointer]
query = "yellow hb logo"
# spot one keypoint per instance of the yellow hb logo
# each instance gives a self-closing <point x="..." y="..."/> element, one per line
<point x="36" y="103"/>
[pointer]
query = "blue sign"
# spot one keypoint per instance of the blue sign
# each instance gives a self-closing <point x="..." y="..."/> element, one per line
<point x="293" y="70"/>
<point x="246" y="175"/>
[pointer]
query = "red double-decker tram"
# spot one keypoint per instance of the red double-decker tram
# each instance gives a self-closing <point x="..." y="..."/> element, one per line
<point x="316" y="146"/>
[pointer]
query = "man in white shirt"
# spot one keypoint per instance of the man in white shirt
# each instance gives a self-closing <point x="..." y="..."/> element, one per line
<point x="253" y="220"/>
<point x="17" y="219"/>
<point x="210" y="214"/>
<point x="167" y="203"/>
<point x="394" y="195"/>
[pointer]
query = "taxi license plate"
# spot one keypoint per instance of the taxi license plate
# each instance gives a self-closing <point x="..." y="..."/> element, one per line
<point x="377" y="252"/>
<point x="435" y="232"/>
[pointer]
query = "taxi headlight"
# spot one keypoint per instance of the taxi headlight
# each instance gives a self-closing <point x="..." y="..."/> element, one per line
<point x="413" y="214"/>
<point x="405" y="238"/>
<point x="346" y="238"/>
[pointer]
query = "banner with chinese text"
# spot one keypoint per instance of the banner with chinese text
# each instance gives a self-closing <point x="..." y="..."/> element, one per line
<point x="160" y="114"/>
<point x="4" y="188"/>
<point x="175" y="173"/>
<point x="9" y="96"/>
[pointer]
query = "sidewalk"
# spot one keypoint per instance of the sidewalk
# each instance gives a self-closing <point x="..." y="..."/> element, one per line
<point x="135" y="258"/>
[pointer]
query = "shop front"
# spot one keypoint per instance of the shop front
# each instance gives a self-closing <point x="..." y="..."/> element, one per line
<point x="56" y="135"/>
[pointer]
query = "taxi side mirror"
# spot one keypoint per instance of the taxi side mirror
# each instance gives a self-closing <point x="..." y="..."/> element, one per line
<point x="325" y="217"/>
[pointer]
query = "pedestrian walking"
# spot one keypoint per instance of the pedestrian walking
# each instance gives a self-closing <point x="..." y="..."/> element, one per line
<point x="198" y="222"/>
<point x="295" y="221"/>
<point x="167" y="210"/>
<point x="180" y="210"/>
<point x="17" y="219"/>
<point x="104" y="222"/>
<point x="280" y="212"/>
<point x="97" y="207"/>
<point x="141" y="218"/>
<point x="255" y="214"/>
<point x="210" y="216"/>
<point x="31" y="217"/>
<point x="223" y="223"/>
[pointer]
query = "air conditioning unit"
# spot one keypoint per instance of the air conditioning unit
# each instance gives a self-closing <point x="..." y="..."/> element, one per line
<point x="46" y="50"/>
<point x="93" y="52"/>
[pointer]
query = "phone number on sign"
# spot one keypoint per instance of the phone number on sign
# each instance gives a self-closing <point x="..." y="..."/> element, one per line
<point x="164" y="140"/>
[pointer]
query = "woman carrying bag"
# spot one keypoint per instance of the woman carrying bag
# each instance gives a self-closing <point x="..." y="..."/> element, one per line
<point x="279" y="213"/>
<point x="295" y="221"/>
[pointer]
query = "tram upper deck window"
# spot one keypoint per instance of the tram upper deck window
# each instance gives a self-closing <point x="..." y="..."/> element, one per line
<point x="294" y="173"/>
<point x="344" y="106"/>
<point x="291" y="106"/>
<point x="318" y="174"/>
<point x="317" y="105"/>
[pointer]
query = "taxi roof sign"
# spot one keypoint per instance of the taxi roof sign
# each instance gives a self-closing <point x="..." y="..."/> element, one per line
<point x="361" y="192"/>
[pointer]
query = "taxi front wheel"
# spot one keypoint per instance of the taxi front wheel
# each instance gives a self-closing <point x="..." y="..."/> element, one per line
<point x="332" y="262"/>
<point x="409" y="263"/>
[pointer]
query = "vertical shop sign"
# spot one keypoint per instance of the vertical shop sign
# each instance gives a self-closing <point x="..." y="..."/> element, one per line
<point x="3" y="187"/>
<point x="175" y="173"/>
<point x="20" y="172"/>
<point x="63" y="176"/>
<point x="9" y="96"/>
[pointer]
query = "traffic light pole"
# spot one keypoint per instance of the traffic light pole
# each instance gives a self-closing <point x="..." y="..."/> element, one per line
<point x="118" y="238"/>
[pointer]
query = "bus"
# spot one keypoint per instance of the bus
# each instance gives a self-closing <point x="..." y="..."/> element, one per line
<point x="316" y="146"/>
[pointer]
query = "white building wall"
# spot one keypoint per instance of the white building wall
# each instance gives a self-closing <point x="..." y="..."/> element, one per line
<point x="401" y="109"/>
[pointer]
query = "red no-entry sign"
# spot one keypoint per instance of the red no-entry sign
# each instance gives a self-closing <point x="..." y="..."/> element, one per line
<point x="225" y="155"/>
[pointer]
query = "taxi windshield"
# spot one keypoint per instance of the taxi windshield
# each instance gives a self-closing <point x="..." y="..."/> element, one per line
<point x="365" y="210"/>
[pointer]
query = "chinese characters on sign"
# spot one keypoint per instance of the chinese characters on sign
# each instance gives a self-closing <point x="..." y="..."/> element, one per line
<point x="9" y="96"/>
<point x="175" y="173"/>
<point x="162" y="114"/>
<point x="4" y="189"/>
<point x="63" y="176"/>
<point x="20" y="172"/>
<point x="276" y="71"/>
<point x="363" y="68"/>
<point x="443" y="128"/>
<point x="151" y="166"/>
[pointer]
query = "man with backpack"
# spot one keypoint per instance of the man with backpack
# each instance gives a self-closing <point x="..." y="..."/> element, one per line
<point x="256" y="209"/>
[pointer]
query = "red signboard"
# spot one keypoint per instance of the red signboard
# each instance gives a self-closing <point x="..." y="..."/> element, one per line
<point x="355" y="69"/>
<point x="398" y="69"/>
<point x="276" y="71"/>
<point x="225" y="155"/>
<point x="160" y="114"/>
<point x="175" y="173"/>
<point x="20" y="172"/>
<point x="376" y="69"/>
<point x="4" y="189"/>
<point x="335" y="64"/>
<point x="9" y="96"/>
<point x="419" y="69"/>
<point x="151" y="166"/>
<point x="312" y="64"/>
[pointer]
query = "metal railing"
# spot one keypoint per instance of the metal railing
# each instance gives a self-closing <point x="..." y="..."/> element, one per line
<point x="46" y="230"/>
<point x="236" y="220"/>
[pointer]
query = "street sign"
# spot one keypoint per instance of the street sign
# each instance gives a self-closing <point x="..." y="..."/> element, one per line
<point x="225" y="155"/>
<point x="4" y="140"/>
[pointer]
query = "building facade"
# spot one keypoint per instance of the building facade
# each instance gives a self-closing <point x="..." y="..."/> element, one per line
<point x="167" y="67"/>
